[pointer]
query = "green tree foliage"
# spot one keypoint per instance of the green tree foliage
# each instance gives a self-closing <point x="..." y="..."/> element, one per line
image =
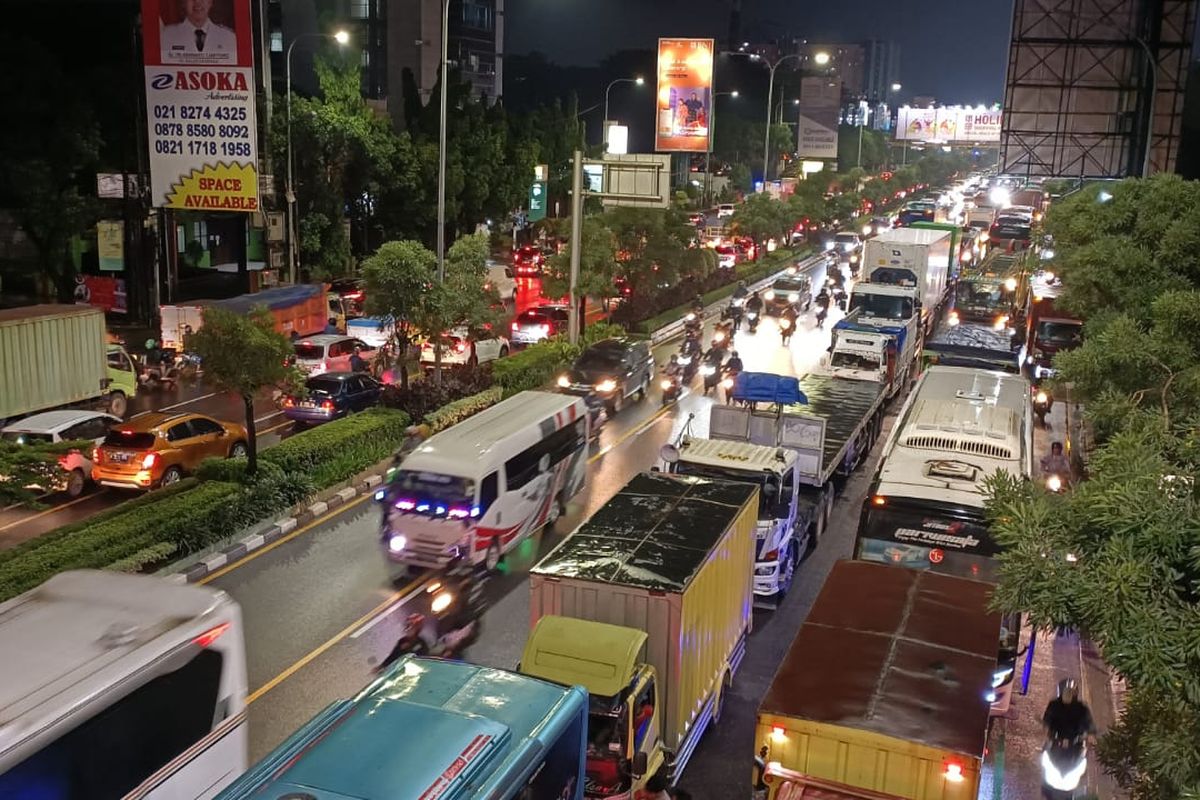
<point x="29" y="469"/>
<point x="654" y="247"/>
<point x="598" y="268"/>
<point x="244" y="354"/>
<point x="761" y="217"/>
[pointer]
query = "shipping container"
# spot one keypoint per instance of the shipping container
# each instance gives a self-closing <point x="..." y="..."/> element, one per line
<point x="886" y="690"/>
<point x="647" y="605"/>
<point x="302" y="309"/>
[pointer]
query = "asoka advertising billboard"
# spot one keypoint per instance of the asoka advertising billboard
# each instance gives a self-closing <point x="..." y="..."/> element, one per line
<point x="200" y="104"/>
<point x="820" y="100"/>
<point x="948" y="124"/>
<point x="684" y="99"/>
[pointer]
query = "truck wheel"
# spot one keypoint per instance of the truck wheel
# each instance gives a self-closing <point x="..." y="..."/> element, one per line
<point x="118" y="404"/>
<point x="829" y="499"/>
<point x="76" y="483"/>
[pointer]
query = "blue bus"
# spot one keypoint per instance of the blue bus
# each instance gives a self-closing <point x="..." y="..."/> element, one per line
<point x="430" y="729"/>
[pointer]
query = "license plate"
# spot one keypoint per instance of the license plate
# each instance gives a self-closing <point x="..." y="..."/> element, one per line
<point x="308" y="405"/>
<point x="120" y="458"/>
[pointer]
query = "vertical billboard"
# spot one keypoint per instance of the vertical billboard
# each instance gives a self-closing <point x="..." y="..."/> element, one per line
<point x="820" y="101"/>
<point x="200" y="97"/>
<point x="684" y="99"/>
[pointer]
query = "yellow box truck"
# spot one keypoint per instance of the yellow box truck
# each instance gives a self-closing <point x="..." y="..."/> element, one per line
<point x="884" y="689"/>
<point x="647" y="606"/>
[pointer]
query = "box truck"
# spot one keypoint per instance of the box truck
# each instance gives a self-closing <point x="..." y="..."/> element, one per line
<point x="884" y="691"/>
<point x="58" y="356"/>
<point x="910" y="258"/>
<point x="302" y="309"/>
<point x="647" y="605"/>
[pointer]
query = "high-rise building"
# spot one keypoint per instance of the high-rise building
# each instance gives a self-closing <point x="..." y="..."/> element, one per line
<point x="881" y="69"/>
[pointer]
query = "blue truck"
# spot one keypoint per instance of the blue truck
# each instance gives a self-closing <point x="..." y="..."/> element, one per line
<point x="430" y="729"/>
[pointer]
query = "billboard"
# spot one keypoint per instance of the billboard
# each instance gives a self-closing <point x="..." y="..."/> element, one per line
<point x="820" y="101"/>
<point x="200" y="94"/>
<point x="948" y="124"/>
<point x="684" y="98"/>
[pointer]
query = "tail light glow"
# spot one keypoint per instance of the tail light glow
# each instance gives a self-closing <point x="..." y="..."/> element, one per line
<point x="207" y="638"/>
<point x="327" y="405"/>
<point x="149" y="461"/>
<point x="954" y="772"/>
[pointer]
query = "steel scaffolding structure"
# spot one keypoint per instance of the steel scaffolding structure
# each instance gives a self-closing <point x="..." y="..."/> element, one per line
<point x="1081" y="94"/>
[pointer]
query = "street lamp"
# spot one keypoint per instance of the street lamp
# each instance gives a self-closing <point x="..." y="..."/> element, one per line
<point x="342" y="37"/>
<point x="712" y="132"/>
<point x="896" y="87"/>
<point x="820" y="58"/>
<point x="639" y="80"/>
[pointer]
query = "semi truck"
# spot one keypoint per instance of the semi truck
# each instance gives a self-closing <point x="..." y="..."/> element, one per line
<point x="1049" y="328"/>
<point x="908" y="258"/>
<point x="991" y="291"/>
<point x="883" y="693"/>
<point x="432" y="728"/>
<point x="813" y="429"/>
<point x="647" y="605"/>
<point x="302" y="309"/>
<point x="880" y="353"/>
<point x="58" y="356"/>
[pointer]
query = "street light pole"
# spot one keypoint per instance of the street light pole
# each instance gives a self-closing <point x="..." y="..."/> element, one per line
<point x="639" y="81"/>
<point x="441" y="198"/>
<point x="770" y="107"/>
<point x="712" y="132"/>
<point x="341" y="37"/>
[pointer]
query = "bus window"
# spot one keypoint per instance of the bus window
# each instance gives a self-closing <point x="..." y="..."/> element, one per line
<point x="555" y="779"/>
<point x="112" y="753"/>
<point x="489" y="490"/>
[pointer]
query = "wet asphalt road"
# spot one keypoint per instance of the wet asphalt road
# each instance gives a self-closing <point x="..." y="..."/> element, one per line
<point x="320" y="608"/>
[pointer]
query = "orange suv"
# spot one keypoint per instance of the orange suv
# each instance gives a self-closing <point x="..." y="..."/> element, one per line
<point x="157" y="449"/>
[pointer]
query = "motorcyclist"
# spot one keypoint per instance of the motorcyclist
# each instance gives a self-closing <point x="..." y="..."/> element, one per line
<point x="1056" y="462"/>
<point x="734" y="365"/>
<point x="357" y="362"/>
<point x="822" y="300"/>
<point x="741" y="292"/>
<point x="698" y="305"/>
<point x="714" y="357"/>
<point x="673" y="369"/>
<point x="691" y="347"/>
<point x="755" y="303"/>
<point x="153" y="353"/>
<point x="787" y="323"/>
<point x="1066" y="716"/>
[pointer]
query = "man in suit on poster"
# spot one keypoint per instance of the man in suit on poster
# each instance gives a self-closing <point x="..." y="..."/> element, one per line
<point x="197" y="39"/>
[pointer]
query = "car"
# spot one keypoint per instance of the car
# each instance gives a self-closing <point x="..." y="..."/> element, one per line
<point x="331" y="396"/>
<point x="156" y="448"/>
<point x="528" y="261"/>
<point x="328" y="352"/>
<point x="725" y="210"/>
<point x="727" y="256"/>
<point x="541" y="322"/>
<point x="65" y="426"/>
<point x="698" y="219"/>
<point x="352" y="291"/>
<point x="786" y="291"/>
<point x="500" y="277"/>
<point x="463" y="348"/>
<point x="612" y="369"/>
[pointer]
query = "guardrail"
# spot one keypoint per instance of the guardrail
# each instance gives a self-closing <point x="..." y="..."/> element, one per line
<point x="673" y="329"/>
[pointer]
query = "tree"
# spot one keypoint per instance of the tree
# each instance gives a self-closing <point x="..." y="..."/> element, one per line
<point x="597" y="264"/>
<point x="27" y="470"/>
<point x="654" y="247"/>
<point x="761" y="217"/>
<point x="244" y="354"/>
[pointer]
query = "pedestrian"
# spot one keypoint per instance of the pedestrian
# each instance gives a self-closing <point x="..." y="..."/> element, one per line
<point x="331" y="326"/>
<point x="655" y="789"/>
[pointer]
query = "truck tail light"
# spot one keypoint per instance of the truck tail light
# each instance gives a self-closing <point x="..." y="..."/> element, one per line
<point x="953" y="772"/>
<point x="207" y="638"/>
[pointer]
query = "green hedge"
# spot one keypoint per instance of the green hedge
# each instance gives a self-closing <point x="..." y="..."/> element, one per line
<point x="457" y="411"/>
<point x="339" y="450"/>
<point x="535" y="366"/>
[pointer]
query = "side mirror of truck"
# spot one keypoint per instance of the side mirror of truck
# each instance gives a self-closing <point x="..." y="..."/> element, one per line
<point x="640" y="764"/>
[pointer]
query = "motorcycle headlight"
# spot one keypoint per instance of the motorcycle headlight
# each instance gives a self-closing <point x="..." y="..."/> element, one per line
<point x="397" y="543"/>
<point x="727" y="383"/>
<point x="794" y="297"/>
<point x="666" y="384"/>
<point x="718" y="337"/>
<point x="441" y="601"/>
<point x="564" y="381"/>
<point x="707" y="370"/>
<point x="1054" y="483"/>
<point x="685" y="360"/>
<point x="854" y="259"/>
<point x="1040" y="398"/>
<point x="607" y="385"/>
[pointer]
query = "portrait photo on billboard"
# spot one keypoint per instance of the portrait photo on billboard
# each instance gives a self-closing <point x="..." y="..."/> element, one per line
<point x="198" y="32"/>
<point x="684" y="96"/>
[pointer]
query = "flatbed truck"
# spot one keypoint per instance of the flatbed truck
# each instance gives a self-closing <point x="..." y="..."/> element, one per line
<point x="647" y="606"/>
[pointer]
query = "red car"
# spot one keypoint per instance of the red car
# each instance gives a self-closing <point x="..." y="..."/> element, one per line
<point x="528" y="261"/>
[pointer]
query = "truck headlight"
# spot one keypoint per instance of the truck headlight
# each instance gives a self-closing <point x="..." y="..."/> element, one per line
<point x="397" y="542"/>
<point x="794" y="297"/>
<point x="564" y="381"/>
<point x="607" y="385"/>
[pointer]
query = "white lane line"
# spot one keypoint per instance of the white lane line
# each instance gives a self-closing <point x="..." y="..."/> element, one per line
<point x="189" y="402"/>
<point x="371" y="623"/>
<point x="257" y="420"/>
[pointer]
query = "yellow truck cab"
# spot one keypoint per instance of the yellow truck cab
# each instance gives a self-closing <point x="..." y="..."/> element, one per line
<point x="647" y="606"/>
<point x="884" y="689"/>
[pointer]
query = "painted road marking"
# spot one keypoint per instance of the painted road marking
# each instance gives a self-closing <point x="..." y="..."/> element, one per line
<point x="382" y="615"/>
<point x="53" y="510"/>
<point x="266" y="417"/>
<point x="189" y="402"/>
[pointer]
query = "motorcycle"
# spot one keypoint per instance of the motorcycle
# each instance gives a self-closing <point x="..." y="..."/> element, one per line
<point x="1064" y="762"/>
<point x="822" y="313"/>
<point x="734" y="312"/>
<point x="163" y="373"/>
<point x="671" y="388"/>
<point x="727" y="384"/>
<point x="1056" y="483"/>
<point x="786" y="329"/>
<point x="1043" y="401"/>
<point x="712" y="375"/>
<point x="421" y="636"/>
<point x="190" y="364"/>
<point x="723" y="336"/>
<point x="693" y="325"/>
<point x="752" y="321"/>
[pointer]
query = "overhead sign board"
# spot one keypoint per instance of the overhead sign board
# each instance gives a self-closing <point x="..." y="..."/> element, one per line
<point x="820" y="102"/>
<point x="683" y="104"/>
<point x="537" y="201"/>
<point x="967" y="125"/>
<point x="200" y="95"/>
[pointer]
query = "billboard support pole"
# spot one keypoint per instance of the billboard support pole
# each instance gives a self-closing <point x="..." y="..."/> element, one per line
<point x="576" y="242"/>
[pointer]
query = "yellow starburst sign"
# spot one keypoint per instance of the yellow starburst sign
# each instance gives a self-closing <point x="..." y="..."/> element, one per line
<point x="217" y="187"/>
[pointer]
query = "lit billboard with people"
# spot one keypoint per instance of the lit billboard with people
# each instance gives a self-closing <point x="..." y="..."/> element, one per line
<point x="684" y="98"/>
<point x="950" y="124"/>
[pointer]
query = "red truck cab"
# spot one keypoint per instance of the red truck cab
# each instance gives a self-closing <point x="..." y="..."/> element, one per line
<point x="1049" y="330"/>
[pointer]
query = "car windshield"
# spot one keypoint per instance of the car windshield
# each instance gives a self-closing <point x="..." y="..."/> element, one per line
<point x="26" y="437"/>
<point x="129" y="439"/>
<point x="1064" y="334"/>
<point x="422" y="487"/>
<point x="310" y="352"/>
<point x="854" y="361"/>
<point x="788" y="286"/>
<point x="533" y="317"/>
<point x="325" y="385"/>
<point x="768" y="484"/>
<point x="885" y="306"/>
<point x="847" y="238"/>
<point x="600" y="358"/>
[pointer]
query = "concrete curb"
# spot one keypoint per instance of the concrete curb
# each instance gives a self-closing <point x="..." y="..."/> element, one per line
<point x="304" y="514"/>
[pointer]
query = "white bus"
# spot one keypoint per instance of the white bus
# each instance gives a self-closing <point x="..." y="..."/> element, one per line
<point x="925" y="508"/>
<point x="482" y="486"/>
<point x="120" y="686"/>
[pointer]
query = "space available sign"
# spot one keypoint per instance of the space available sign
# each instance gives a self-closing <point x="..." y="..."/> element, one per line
<point x="200" y="98"/>
<point x="955" y="124"/>
<point x="820" y="99"/>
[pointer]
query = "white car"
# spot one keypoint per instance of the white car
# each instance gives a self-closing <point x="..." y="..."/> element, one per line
<point x="500" y="277"/>
<point x="65" y="426"/>
<point x="725" y="210"/>
<point x="463" y="349"/>
<point x="329" y="353"/>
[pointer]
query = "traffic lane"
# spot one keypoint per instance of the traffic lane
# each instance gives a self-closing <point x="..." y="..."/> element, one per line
<point x="195" y="397"/>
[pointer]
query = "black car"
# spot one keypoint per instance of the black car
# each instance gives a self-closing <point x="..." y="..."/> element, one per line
<point x="786" y="292"/>
<point x="352" y="290"/>
<point x="331" y="396"/>
<point x="613" y="370"/>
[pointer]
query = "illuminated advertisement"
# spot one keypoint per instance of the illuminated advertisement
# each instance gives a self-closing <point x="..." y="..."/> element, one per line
<point x="684" y="99"/>
<point x="948" y="124"/>
<point x="820" y="104"/>
<point x="200" y="104"/>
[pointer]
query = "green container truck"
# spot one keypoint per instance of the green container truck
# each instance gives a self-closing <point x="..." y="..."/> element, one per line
<point x="56" y="356"/>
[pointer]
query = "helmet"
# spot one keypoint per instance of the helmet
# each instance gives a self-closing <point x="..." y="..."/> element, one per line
<point x="1068" y="686"/>
<point x="674" y="357"/>
<point x="151" y="344"/>
<point x="742" y="284"/>
<point x="733" y="354"/>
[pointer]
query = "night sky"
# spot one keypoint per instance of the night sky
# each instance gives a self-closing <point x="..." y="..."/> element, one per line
<point x="954" y="50"/>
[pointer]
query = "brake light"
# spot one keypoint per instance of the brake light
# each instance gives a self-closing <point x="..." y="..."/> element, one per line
<point x="96" y="453"/>
<point x="954" y="772"/>
<point x="354" y="295"/>
<point x="327" y="405"/>
<point x="460" y="346"/>
<point x="211" y="635"/>
<point x="516" y="327"/>
<point x="149" y="461"/>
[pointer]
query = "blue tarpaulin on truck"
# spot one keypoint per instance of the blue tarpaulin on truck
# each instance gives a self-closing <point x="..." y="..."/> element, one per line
<point x="766" y="387"/>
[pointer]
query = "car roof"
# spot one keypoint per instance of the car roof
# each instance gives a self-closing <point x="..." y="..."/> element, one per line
<point x="548" y="307"/>
<point x="614" y="343"/>
<point x="323" y="338"/>
<point x="55" y="421"/>
<point x="149" y="420"/>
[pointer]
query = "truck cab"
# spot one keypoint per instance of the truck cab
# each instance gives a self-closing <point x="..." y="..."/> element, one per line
<point x="625" y="745"/>
<point x="867" y="353"/>
<point x="893" y="311"/>
<point x="122" y="382"/>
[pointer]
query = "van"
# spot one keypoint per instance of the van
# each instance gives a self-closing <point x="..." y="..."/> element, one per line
<point x="329" y="353"/>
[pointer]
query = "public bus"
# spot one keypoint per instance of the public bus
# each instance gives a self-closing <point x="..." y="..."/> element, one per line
<point x="479" y="488"/>
<point x="430" y="728"/>
<point x="120" y="686"/>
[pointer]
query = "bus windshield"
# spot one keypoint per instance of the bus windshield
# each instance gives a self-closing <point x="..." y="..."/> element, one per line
<point x="886" y="306"/>
<point x="432" y="487"/>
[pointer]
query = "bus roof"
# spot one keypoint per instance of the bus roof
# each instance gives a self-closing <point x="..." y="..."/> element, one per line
<point x="84" y="629"/>
<point x="426" y="728"/>
<point x="473" y="439"/>
<point x="911" y="659"/>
